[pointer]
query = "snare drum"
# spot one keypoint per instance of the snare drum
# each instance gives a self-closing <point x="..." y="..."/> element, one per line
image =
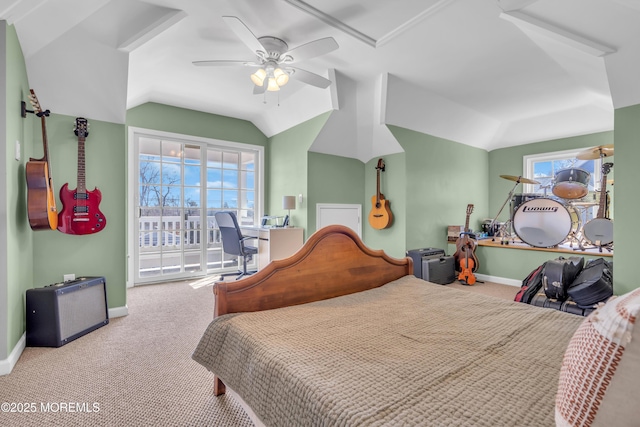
<point x="571" y="183"/>
<point x="544" y="223"/>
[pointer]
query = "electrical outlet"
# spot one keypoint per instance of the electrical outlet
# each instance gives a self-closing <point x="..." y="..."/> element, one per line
<point x="69" y="277"/>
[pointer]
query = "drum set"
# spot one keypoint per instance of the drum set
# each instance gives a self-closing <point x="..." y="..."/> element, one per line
<point x="548" y="221"/>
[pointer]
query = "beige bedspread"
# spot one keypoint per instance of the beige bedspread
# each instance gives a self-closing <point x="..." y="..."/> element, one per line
<point x="408" y="353"/>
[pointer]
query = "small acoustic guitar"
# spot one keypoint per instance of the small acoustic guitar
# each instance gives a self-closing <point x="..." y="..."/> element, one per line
<point x="41" y="202"/>
<point x="465" y="256"/>
<point x="380" y="216"/>
<point x="81" y="207"/>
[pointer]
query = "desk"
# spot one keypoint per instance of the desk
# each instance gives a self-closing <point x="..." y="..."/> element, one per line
<point x="560" y="249"/>
<point x="274" y="242"/>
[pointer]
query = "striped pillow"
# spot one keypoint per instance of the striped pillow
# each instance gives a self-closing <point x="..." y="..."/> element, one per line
<point x="600" y="375"/>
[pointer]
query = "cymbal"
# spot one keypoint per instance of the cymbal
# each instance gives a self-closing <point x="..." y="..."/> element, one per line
<point x="519" y="179"/>
<point x="594" y="153"/>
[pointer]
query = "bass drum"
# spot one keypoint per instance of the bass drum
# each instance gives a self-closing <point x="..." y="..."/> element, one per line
<point x="519" y="199"/>
<point x="599" y="231"/>
<point x="543" y="223"/>
<point x="571" y="183"/>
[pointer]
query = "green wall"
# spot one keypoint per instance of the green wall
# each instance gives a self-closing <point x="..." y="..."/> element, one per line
<point x="288" y="168"/>
<point x="190" y="122"/>
<point x="442" y="178"/>
<point x="332" y="179"/>
<point x="15" y="234"/>
<point x="102" y="253"/>
<point x="627" y="202"/>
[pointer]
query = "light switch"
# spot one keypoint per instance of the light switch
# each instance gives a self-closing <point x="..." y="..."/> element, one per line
<point x="17" y="150"/>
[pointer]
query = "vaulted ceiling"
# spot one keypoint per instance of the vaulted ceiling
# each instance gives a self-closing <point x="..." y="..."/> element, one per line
<point x="486" y="73"/>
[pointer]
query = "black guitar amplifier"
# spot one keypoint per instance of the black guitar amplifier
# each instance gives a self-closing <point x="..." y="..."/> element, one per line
<point x="440" y="270"/>
<point x="58" y="314"/>
<point x="418" y="254"/>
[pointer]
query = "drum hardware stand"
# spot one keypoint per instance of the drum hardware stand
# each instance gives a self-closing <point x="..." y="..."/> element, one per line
<point x="544" y="189"/>
<point x="573" y="237"/>
<point x="502" y="231"/>
<point x="608" y="246"/>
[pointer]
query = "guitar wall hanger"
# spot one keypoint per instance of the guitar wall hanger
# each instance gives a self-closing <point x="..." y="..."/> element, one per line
<point x="24" y="111"/>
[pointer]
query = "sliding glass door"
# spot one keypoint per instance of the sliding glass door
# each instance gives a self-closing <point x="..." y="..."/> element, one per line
<point x="181" y="183"/>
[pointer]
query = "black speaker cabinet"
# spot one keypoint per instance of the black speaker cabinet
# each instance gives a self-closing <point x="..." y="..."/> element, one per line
<point x="58" y="314"/>
<point x="418" y="254"/>
<point x="440" y="270"/>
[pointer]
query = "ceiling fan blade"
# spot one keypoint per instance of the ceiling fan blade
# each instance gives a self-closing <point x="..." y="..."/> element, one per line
<point x="221" y="63"/>
<point x="312" y="49"/>
<point x="310" y="78"/>
<point x="244" y="33"/>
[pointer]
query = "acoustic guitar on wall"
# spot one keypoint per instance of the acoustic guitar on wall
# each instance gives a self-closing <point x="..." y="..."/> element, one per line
<point x="80" y="207"/>
<point x="380" y="216"/>
<point x="41" y="202"/>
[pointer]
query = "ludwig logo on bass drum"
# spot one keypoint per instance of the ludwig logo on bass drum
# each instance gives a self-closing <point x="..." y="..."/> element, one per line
<point x="540" y="209"/>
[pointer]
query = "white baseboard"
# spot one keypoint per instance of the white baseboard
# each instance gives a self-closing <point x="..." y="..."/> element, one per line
<point x="501" y="280"/>
<point x="6" y="365"/>
<point x="118" y="312"/>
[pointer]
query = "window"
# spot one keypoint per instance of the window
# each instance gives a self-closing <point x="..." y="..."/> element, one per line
<point x="179" y="182"/>
<point x="545" y="169"/>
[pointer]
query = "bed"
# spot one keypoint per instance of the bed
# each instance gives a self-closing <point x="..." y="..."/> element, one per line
<point x="340" y="334"/>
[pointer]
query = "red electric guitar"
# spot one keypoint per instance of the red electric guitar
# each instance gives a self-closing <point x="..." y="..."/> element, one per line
<point x="80" y="208"/>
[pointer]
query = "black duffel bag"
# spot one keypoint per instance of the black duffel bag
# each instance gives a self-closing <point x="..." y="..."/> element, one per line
<point x="594" y="284"/>
<point x="559" y="274"/>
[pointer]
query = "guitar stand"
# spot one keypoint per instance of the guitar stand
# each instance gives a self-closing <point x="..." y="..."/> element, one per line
<point x="24" y="111"/>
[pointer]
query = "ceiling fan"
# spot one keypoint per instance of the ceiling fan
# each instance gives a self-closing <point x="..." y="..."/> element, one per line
<point x="273" y="58"/>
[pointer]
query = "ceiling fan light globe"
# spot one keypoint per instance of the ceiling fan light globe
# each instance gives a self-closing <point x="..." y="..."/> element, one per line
<point x="281" y="77"/>
<point x="273" y="86"/>
<point x="258" y="77"/>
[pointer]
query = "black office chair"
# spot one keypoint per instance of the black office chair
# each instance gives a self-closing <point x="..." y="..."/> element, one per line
<point x="233" y="241"/>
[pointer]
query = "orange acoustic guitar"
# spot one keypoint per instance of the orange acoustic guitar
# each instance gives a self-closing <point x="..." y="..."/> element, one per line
<point x="41" y="202"/>
<point x="380" y="216"/>
<point x="465" y="256"/>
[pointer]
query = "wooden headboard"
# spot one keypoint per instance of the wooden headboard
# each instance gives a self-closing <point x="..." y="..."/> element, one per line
<point x="333" y="262"/>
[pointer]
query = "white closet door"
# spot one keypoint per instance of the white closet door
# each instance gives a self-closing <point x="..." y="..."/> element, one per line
<point x="342" y="214"/>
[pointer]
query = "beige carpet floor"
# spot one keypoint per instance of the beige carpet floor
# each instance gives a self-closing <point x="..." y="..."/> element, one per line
<point x="135" y="371"/>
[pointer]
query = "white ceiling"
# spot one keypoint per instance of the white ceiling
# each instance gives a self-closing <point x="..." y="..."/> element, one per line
<point x="486" y="73"/>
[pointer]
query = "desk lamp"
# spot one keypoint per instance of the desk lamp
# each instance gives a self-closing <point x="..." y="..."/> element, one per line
<point x="288" y="203"/>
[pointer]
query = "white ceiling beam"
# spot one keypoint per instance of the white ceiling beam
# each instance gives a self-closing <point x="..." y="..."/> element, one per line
<point x="15" y="10"/>
<point x="333" y="89"/>
<point x="152" y="30"/>
<point x="509" y="5"/>
<point x="556" y="33"/>
<point x="330" y="20"/>
<point x="412" y="22"/>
